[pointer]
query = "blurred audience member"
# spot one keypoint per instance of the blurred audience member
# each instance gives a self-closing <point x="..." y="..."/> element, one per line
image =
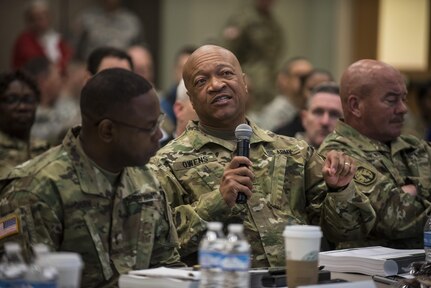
<point x="100" y="59"/>
<point x="323" y="109"/>
<point x="142" y="62"/>
<point x="106" y="24"/>
<point x="168" y="100"/>
<point x="183" y="108"/>
<point x="68" y="102"/>
<point x="40" y="39"/>
<point x="48" y="120"/>
<point x="287" y="104"/>
<point x="256" y="38"/>
<point x="308" y="82"/>
<point x="19" y="96"/>
<point x="108" y="57"/>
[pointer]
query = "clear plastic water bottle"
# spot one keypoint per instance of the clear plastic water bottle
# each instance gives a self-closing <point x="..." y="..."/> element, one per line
<point x="236" y="263"/>
<point x="211" y="253"/>
<point x="427" y="240"/>
<point x="15" y="266"/>
<point x="38" y="276"/>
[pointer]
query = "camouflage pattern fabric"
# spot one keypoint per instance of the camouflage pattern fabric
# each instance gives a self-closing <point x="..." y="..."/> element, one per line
<point x="68" y="204"/>
<point x="381" y="172"/>
<point x="14" y="151"/>
<point x="288" y="189"/>
<point x="258" y="45"/>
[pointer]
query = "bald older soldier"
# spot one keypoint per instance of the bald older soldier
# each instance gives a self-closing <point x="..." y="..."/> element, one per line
<point x="87" y="197"/>
<point x="285" y="180"/>
<point x="394" y="170"/>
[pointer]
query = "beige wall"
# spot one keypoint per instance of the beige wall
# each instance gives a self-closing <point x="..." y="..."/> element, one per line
<point x="313" y="28"/>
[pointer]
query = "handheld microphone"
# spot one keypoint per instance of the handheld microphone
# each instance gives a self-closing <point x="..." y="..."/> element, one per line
<point x="243" y="134"/>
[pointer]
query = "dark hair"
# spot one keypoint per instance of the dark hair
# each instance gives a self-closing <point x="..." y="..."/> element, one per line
<point x="98" y="54"/>
<point x="287" y="65"/>
<point x="18" y="75"/>
<point x="313" y="72"/>
<point x="187" y="50"/>
<point x="326" y="87"/>
<point x="110" y="89"/>
<point x="37" y="66"/>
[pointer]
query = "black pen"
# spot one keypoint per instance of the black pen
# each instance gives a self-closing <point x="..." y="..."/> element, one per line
<point x="385" y="280"/>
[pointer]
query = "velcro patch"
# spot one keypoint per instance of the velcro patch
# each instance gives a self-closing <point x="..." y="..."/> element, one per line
<point x="9" y="225"/>
<point x="187" y="163"/>
<point x="364" y="176"/>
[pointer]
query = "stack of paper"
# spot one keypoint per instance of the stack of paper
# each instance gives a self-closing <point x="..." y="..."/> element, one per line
<point x="160" y="278"/>
<point x="374" y="260"/>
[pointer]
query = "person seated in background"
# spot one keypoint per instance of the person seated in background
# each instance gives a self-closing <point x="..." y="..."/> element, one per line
<point x="49" y="119"/>
<point x="184" y="112"/>
<point x="106" y="23"/>
<point x="183" y="109"/>
<point x="322" y="110"/>
<point x="168" y="99"/>
<point x="88" y="195"/>
<point x="40" y="39"/>
<point x="393" y="170"/>
<point x="142" y="59"/>
<point x="285" y="180"/>
<point x="108" y="57"/>
<point x="307" y="83"/>
<point x="100" y="59"/>
<point x="19" y="96"/>
<point x="289" y="102"/>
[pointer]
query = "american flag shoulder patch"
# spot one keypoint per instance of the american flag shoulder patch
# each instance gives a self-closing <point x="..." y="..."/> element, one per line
<point x="9" y="225"/>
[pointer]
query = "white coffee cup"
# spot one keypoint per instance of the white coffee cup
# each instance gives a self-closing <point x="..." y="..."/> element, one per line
<point x="302" y="243"/>
<point x="69" y="266"/>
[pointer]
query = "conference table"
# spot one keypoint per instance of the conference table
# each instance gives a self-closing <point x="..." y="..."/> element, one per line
<point x="352" y="277"/>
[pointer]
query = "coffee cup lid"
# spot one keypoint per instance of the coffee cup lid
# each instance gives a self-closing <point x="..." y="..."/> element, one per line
<point x="302" y="231"/>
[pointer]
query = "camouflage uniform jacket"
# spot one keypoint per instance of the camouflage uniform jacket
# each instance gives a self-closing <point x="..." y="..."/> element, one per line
<point x="288" y="189"/>
<point x="67" y="203"/>
<point x="14" y="151"/>
<point x="381" y="172"/>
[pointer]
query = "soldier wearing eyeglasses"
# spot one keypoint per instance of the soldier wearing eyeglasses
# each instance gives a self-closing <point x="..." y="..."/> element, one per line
<point x="93" y="194"/>
<point x="19" y="96"/>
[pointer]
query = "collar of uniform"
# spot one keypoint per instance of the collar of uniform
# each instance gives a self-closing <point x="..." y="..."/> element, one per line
<point x="11" y="142"/>
<point x="197" y="141"/>
<point x="91" y="179"/>
<point x="7" y="141"/>
<point x="367" y="144"/>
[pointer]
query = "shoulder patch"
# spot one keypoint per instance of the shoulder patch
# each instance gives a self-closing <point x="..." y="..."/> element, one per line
<point x="9" y="225"/>
<point x="364" y="176"/>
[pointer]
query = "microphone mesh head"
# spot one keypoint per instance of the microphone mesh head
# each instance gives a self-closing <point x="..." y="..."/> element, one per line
<point x="243" y="131"/>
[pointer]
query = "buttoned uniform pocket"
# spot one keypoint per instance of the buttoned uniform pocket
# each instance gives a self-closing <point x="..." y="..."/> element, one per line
<point x="198" y="175"/>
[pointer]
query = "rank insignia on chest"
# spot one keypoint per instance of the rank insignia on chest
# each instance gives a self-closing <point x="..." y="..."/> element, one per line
<point x="364" y="176"/>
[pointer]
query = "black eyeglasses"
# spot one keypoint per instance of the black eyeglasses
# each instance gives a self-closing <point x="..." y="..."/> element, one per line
<point x="14" y="100"/>
<point x="151" y="130"/>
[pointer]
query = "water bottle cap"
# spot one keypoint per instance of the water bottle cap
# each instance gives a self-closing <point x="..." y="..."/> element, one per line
<point x="235" y="228"/>
<point x="40" y="249"/>
<point x="12" y="247"/>
<point x="215" y="226"/>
